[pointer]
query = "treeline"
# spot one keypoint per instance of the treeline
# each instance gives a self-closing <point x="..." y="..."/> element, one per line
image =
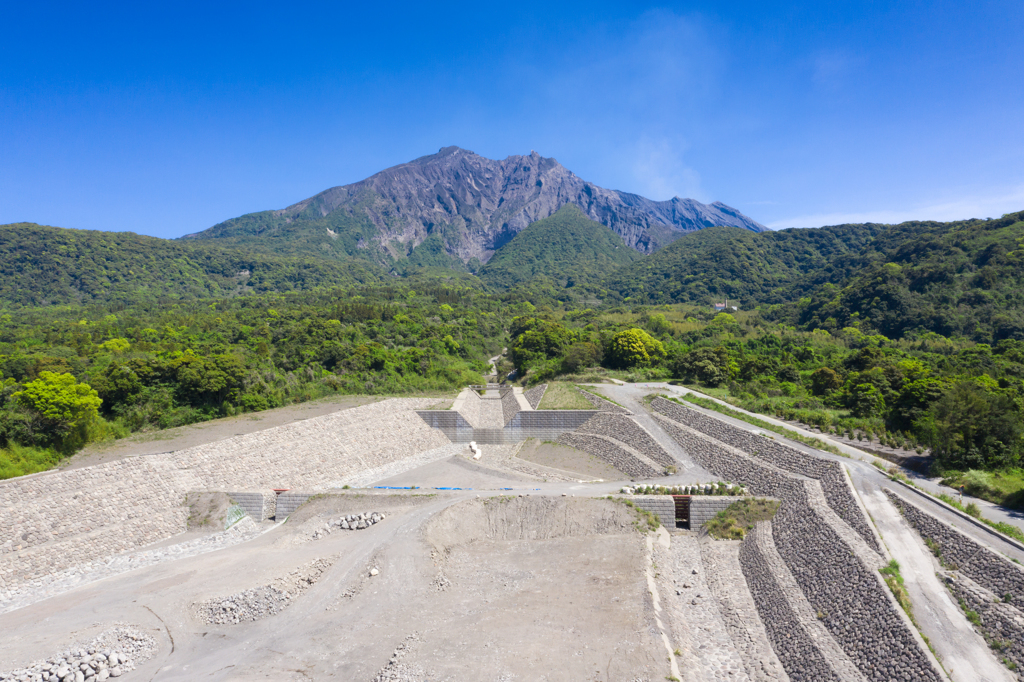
<point x="155" y="367"/>
<point x="42" y="266"/>
<point x="964" y="401"/>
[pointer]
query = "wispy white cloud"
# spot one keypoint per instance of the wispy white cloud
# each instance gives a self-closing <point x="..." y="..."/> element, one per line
<point x="661" y="171"/>
<point x="978" y="206"/>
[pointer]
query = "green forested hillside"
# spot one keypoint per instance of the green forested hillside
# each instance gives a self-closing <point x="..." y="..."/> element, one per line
<point x="41" y="265"/>
<point x="963" y="278"/>
<point x="567" y="247"/>
<point x="727" y="262"/>
<point x="955" y="279"/>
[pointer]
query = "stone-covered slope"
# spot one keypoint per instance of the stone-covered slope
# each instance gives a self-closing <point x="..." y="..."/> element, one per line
<point x="835" y="576"/>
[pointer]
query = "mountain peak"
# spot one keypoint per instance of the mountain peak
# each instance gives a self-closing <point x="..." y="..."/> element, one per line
<point x="474" y="205"/>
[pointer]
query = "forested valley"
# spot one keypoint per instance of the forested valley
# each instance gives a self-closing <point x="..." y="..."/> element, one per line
<point x="911" y="335"/>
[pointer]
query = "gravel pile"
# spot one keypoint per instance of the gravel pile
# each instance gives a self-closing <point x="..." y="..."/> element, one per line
<point x="350" y="522"/>
<point x="264" y="601"/>
<point x="114" y="653"/>
<point x="395" y="670"/>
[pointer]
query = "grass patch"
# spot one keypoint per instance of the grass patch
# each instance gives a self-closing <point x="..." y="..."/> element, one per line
<point x="1005" y="488"/>
<point x="600" y="396"/>
<point x="893" y="578"/>
<point x="21" y="460"/>
<point x="734" y="521"/>
<point x="563" y="396"/>
<point x="644" y="517"/>
<point x="792" y="435"/>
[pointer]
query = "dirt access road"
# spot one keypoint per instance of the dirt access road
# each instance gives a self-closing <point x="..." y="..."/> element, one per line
<point x="538" y="588"/>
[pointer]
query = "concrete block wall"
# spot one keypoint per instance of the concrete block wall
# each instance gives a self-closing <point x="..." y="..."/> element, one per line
<point x="56" y="521"/>
<point x="543" y="425"/>
<point x="260" y="506"/>
<point x="288" y="502"/>
<point x="703" y="508"/>
<point x="310" y="453"/>
<point x="663" y="506"/>
<point x="59" y="520"/>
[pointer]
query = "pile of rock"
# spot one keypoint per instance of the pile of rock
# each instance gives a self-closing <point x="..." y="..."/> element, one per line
<point x="350" y="522"/>
<point x="112" y="654"/>
<point x="717" y="488"/>
<point x="264" y="601"/>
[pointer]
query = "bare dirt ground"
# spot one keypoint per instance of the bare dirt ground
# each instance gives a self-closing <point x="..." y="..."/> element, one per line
<point x="524" y="588"/>
<point x="568" y="459"/>
<point x="170" y="440"/>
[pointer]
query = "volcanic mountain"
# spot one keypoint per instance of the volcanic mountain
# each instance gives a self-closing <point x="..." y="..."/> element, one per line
<point x="454" y="207"/>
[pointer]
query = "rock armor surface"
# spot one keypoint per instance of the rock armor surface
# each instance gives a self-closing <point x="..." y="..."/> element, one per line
<point x="600" y="403"/>
<point x="834" y="482"/>
<point x="847" y="595"/>
<point x="535" y="395"/>
<point x="349" y="522"/>
<point x="264" y="601"/>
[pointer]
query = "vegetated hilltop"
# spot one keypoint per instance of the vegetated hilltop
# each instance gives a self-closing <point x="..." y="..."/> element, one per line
<point x="724" y="262"/>
<point x="567" y="247"/>
<point x="961" y="278"/>
<point x="41" y="265"/>
<point x="470" y="205"/>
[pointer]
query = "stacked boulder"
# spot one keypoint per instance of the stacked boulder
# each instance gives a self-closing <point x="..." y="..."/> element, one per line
<point x="350" y="522"/>
<point x="112" y="654"/>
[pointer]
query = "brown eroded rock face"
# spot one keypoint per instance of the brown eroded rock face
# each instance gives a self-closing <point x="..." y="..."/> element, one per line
<point x="474" y="205"/>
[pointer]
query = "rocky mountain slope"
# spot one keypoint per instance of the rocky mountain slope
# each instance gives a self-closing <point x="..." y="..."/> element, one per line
<point x="473" y="204"/>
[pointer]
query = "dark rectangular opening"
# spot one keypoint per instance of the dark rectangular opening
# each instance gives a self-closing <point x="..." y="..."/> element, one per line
<point x="682" y="510"/>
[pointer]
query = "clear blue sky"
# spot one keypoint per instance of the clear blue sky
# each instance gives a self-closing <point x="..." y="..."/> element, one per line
<point x="166" y="118"/>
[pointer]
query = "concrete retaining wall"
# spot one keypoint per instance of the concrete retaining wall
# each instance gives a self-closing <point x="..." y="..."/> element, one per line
<point x="260" y="506"/>
<point x="542" y="425"/>
<point x="661" y="505"/>
<point x="703" y="508"/>
<point x="288" y="502"/>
